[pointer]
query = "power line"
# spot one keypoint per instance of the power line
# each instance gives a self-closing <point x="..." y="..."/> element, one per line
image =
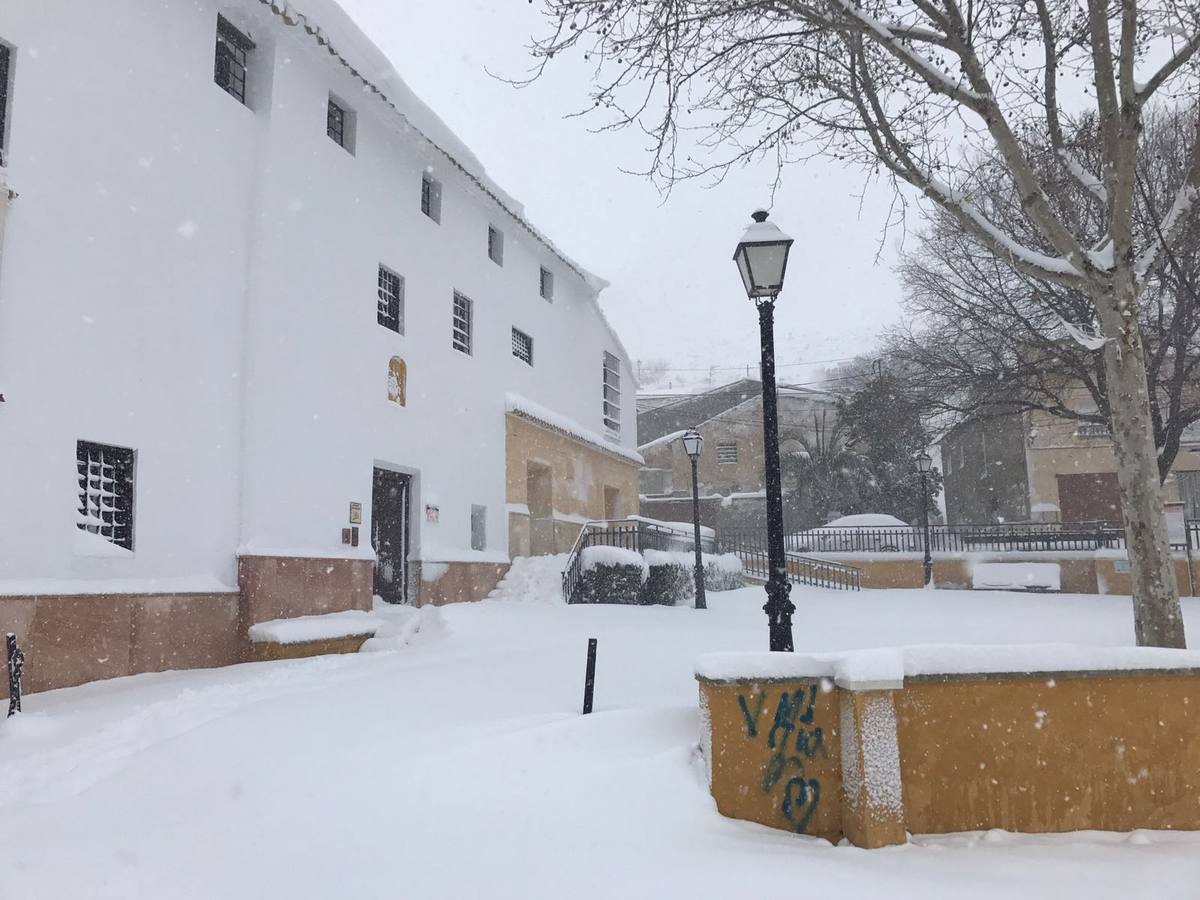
<point x="744" y="366"/>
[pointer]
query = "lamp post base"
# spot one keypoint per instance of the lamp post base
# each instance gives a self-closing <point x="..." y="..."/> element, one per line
<point x="779" y="609"/>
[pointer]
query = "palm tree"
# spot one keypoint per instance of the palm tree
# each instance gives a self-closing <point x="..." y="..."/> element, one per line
<point x="825" y="468"/>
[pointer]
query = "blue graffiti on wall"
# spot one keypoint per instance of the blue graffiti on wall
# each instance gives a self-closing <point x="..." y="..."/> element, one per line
<point x="794" y="740"/>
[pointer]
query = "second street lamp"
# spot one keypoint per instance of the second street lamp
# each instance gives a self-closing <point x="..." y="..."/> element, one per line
<point x="693" y="442"/>
<point x="761" y="258"/>
<point x="924" y="464"/>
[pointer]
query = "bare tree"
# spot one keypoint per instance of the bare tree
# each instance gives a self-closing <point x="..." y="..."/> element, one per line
<point x="917" y="89"/>
<point x="984" y="339"/>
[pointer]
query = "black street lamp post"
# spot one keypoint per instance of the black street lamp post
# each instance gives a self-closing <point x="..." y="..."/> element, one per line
<point x="761" y="258"/>
<point x="693" y="442"/>
<point x="924" y="464"/>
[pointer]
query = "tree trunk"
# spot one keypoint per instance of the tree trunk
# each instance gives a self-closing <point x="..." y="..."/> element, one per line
<point x="1158" y="619"/>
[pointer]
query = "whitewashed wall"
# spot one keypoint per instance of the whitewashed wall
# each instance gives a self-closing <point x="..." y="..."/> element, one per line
<point x="196" y="279"/>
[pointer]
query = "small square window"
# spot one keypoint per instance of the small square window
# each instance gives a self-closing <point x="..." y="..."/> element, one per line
<point x="496" y="245"/>
<point x="460" y="337"/>
<point x="727" y="453"/>
<point x="478" y="527"/>
<point x="105" y="495"/>
<point x="522" y="346"/>
<point x="431" y="197"/>
<point x="546" y="284"/>
<point x="339" y="124"/>
<point x="233" y="52"/>
<point x="390" y="312"/>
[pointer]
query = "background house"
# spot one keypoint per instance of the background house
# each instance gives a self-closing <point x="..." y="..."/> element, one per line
<point x="1033" y="467"/>
<point x="731" y="467"/>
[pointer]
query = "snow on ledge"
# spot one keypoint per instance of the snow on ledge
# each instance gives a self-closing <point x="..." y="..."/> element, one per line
<point x="535" y="412"/>
<point x="187" y="584"/>
<point x="885" y="668"/>
<point x="328" y="627"/>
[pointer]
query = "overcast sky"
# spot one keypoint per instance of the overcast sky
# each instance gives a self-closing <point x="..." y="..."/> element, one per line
<point x="675" y="292"/>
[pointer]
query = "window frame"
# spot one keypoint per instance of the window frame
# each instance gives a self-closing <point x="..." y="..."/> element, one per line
<point x="546" y="284"/>
<point x="124" y="463"/>
<point x="611" y="409"/>
<point x="385" y="274"/>
<point x="495" y="245"/>
<point x="7" y="52"/>
<point x="462" y="338"/>
<point x="230" y="42"/>
<point x="341" y="123"/>
<point x="522" y="341"/>
<point x="431" y="197"/>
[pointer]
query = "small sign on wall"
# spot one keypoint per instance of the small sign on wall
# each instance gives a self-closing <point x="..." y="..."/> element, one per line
<point x="355" y="513"/>
<point x="432" y="513"/>
<point x="1121" y="566"/>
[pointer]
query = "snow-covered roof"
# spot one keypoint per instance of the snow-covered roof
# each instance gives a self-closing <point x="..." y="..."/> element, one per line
<point x="660" y="441"/>
<point x="515" y="404"/>
<point x="334" y="30"/>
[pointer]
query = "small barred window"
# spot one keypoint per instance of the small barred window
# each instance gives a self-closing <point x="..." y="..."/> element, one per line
<point x="105" y="479"/>
<point x="522" y="346"/>
<point x="391" y="300"/>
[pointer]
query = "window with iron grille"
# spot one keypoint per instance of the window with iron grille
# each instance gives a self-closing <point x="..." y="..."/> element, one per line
<point x="5" y="67"/>
<point x="546" y="283"/>
<point x="391" y="300"/>
<point x="612" y="393"/>
<point x="431" y="197"/>
<point x="233" y="51"/>
<point x="339" y="124"/>
<point x="727" y="453"/>
<point x="478" y="527"/>
<point x="105" y="478"/>
<point x="460" y="338"/>
<point x="522" y="346"/>
<point x="496" y="245"/>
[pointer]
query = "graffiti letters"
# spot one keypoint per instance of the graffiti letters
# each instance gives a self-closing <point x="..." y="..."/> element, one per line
<point x="794" y="740"/>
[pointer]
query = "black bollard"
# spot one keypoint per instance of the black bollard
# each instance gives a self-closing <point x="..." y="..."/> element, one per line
<point x="589" y="681"/>
<point x="16" y="662"/>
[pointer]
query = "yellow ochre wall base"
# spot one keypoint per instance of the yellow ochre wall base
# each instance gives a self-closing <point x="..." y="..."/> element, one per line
<point x="1043" y="752"/>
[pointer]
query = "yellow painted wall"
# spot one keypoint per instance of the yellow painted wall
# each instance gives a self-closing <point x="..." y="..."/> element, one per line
<point x="1051" y="753"/>
<point x="1023" y="752"/>
<point x="774" y="754"/>
<point x="579" y="474"/>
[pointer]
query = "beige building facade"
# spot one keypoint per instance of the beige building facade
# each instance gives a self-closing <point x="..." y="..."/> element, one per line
<point x="1034" y="467"/>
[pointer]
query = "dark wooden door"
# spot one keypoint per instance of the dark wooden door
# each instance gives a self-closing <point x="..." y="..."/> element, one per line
<point x="390" y="502"/>
<point x="1092" y="497"/>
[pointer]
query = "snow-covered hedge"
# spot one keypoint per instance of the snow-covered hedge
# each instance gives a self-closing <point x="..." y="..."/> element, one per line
<point x="611" y="575"/>
<point x="671" y="580"/>
<point x="723" y="572"/>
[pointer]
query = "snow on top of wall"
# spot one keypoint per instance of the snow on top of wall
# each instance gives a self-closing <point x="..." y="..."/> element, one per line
<point x="328" y="627"/>
<point x="684" y="528"/>
<point x="660" y="441"/>
<point x="867" y="520"/>
<point x="189" y="584"/>
<point x="886" y="668"/>
<point x="1016" y="576"/>
<point x="521" y="406"/>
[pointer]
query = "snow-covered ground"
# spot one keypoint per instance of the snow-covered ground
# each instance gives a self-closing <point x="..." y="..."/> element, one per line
<point x="458" y="766"/>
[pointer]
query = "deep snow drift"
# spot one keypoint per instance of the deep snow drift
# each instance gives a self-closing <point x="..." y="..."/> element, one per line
<point x="458" y="766"/>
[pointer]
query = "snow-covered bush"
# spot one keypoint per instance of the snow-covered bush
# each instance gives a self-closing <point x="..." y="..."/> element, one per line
<point x="723" y="572"/>
<point x="611" y="575"/>
<point x="671" y="580"/>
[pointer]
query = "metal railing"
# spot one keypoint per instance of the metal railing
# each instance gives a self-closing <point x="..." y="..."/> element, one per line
<point x="953" y="538"/>
<point x="631" y="534"/>
<point x="751" y="548"/>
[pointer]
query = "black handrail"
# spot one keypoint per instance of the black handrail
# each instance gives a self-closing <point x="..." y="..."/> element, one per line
<point x="751" y="548"/>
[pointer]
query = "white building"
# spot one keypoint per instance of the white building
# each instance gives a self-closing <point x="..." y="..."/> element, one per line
<point x="248" y="281"/>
